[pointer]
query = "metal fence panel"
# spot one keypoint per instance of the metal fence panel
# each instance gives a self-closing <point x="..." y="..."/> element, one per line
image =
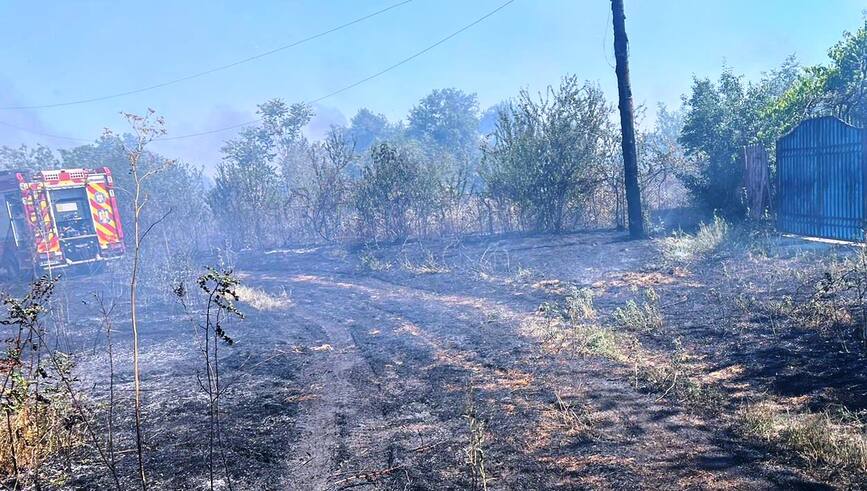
<point x="820" y="180"/>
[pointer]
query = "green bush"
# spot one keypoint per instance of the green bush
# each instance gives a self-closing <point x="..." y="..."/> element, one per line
<point x="396" y="193"/>
<point x="544" y="155"/>
<point x="645" y="316"/>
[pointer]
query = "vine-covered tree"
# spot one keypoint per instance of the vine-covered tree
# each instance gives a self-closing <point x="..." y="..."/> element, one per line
<point x="256" y="176"/>
<point x="324" y="197"/>
<point x="838" y="89"/>
<point x="27" y="158"/>
<point x="367" y="128"/>
<point x="846" y="83"/>
<point x="245" y="190"/>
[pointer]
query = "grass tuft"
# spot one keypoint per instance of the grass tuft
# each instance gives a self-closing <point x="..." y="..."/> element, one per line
<point x="825" y="438"/>
<point x="685" y="248"/>
<point x="262" y="300"/>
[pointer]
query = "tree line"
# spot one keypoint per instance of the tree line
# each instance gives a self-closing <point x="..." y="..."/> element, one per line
<point x="540" y="162"/>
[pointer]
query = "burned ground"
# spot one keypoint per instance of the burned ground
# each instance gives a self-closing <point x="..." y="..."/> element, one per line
<point x="357" y="368"/>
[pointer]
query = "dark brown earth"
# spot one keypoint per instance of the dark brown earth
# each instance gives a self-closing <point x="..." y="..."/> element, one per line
<point x="362" y="379"/>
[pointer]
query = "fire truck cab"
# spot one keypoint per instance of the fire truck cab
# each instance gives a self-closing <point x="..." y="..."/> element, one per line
<point x="54" y="219"/>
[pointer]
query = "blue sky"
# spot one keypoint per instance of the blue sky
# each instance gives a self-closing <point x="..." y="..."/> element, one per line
<point x="60" y="50"/>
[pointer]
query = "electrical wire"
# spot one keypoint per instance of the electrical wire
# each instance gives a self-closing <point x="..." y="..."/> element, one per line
<point x="47" y="135"/>
<point x="357" y="83"/>
<point x="326" y="96"/>
<point x="211" y="70"/>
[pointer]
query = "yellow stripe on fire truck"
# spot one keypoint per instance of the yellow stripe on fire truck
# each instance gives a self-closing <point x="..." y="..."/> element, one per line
<point x="102" y="214"/>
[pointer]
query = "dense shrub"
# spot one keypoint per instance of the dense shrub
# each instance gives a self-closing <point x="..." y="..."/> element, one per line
<point x="323" y="198"/>
<point x="396" y="193"/>
<point x="545" y="153"/>
<point x="721" y="118"/>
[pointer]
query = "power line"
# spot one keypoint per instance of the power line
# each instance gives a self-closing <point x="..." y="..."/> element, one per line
<point x="326" y="96"/>
<point x="359" y="82"/>
<point x="48" y="135"/>
<point x="211" y="70"/>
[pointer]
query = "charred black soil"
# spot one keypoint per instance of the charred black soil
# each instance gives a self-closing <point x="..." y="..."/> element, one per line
<point x="361" y="377"/>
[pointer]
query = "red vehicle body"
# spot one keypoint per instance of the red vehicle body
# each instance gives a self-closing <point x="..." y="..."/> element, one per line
<point x="58" y="219"/>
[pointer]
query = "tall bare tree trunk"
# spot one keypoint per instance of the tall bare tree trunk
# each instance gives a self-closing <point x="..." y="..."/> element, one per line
<point x="133" y="291"/>
<point x="627" y="125"/>
<point x="146" y="129"/>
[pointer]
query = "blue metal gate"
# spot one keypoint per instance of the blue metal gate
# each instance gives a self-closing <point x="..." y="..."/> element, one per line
<point x="821" y="167"/>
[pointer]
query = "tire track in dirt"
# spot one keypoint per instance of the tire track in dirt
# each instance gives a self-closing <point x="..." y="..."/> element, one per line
<point x="509" y="374"/>
<point x="408" y="354"/>
<point x="396" y="421"/>
<point x="331" y="405"/>
<point x="350" y="426"/>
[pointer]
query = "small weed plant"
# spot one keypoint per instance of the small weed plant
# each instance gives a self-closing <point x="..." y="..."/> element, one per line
<point x="573" y="325"/>
<point x="642" y="317"/>
<point x="369" y="262"/>
<point x="669" y="376"/>
<point x="217" y="291"/>
<point x="475" y="449"/>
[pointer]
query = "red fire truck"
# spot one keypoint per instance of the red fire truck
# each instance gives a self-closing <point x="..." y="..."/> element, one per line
<point x="56" y="219"/>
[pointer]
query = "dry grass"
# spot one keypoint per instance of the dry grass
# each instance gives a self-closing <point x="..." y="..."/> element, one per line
<point x="573" y="326"/>
<point x="685" y="248"/>
<point x="430" y="265"/>
<point x="32" y="433"/>
<point x="262" y="300"/>
<point x="523" y="275"/>
<point x="475" y="455"/>
<point x="671" y="377"/>
<point x="821" y="438"/>
<point x="578" y="419"/>
<point x="369" y="262"/>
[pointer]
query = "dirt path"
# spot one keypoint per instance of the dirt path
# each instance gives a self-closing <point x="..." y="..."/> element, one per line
<point x="389" y="383"/>
<point x="363" y="379"/>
